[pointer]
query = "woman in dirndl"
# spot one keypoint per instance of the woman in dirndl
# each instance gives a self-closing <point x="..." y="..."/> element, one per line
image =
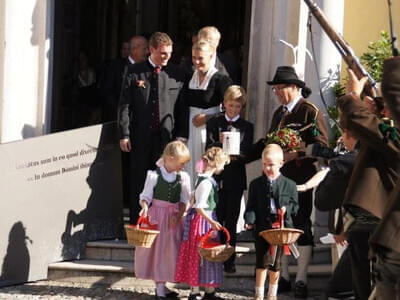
<point x="202" y="95"/>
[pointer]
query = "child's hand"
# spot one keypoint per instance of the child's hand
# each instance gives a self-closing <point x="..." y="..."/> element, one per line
<point x="221" y="137"/>
<point x="215" y="225"/>
<point x="175" y="218"/>
<point x="248" y="226"/>
<point x="145" y="208"/>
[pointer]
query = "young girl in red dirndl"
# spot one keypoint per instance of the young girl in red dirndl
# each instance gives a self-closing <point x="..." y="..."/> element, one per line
<point x="191" y="268"/>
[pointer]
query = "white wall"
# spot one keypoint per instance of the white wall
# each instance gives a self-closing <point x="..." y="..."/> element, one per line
<point x="25" y="90"/>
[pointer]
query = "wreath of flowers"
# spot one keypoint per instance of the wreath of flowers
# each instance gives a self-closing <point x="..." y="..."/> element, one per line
<point x="287" y="138"/>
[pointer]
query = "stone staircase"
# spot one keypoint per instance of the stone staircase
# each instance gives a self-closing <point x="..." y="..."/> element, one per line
<point x="111" y="263"/>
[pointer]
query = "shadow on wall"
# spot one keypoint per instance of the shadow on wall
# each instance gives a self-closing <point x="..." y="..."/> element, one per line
<point x="102" y="217"/>
<point x="16" y="263"/>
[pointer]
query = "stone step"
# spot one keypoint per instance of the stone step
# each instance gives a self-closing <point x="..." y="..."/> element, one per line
<point x="120" y="250"/>
<point x="121" y="273"/>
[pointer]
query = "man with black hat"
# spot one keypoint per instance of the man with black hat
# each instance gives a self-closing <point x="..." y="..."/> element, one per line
<point x="305" y="117"/>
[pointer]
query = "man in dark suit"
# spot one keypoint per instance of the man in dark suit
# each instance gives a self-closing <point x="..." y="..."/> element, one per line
<point x="329" y="196"/>
<point x="146" y="112"/>
<point x="305" y="117"/>
<point x="111" y="90"/>
<point x="233" y="177"/>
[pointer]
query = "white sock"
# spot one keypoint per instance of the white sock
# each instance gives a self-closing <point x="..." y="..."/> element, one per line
<point x="259" y="291"/>
<point x="195" y="290"/>
<point x="285" y="267"/>
<point x="302" y="263"/>
<point x="273" y="289"/>
<point x="160" y="287"/>
<point x="209" y="290"/>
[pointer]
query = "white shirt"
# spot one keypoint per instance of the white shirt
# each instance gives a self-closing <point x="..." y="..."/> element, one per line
<point x="151" y="180"/>
<point x="292" y="104"/>
<point x="233" y="119"/>
<point x="131" y="60"/>
<point x="194" y="83"/>
<point x="202" y="191"/>
<point x="153" y="64"/>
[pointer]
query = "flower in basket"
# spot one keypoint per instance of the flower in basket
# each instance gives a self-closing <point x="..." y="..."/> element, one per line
<point x="287" y="138"/>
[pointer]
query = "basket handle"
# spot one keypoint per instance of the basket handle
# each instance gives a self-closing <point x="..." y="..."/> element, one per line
<point x="143" y="220"/>
<point x="207" y="236"/>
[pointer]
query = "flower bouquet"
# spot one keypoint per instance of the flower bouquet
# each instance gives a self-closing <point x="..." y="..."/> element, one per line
<point x="287" y="138"/>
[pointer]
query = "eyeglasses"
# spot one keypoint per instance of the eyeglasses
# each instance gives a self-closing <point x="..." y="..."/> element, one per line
<point x="279" y="88"/>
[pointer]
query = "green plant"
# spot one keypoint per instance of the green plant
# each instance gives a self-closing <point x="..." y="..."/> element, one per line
<point x="377" y="51"/>
<point x="372" y="60"/>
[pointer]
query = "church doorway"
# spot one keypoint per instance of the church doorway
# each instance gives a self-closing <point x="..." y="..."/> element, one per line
<point x="89" y="33"/>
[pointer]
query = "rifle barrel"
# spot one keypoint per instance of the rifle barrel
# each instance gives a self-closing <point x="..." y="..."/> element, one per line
<point x="343" y="47"/>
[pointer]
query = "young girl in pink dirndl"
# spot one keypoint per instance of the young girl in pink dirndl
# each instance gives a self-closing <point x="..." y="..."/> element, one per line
<point x="167" y="193"/>
<point x="191" y="268"/>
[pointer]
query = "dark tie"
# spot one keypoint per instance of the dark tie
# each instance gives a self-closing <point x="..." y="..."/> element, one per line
<point x="156" y="105"/>
<point x="271" y="194"/>
<point x="280" y="116"/>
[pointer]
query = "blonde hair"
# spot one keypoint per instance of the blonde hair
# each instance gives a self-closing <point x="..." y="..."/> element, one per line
<point x="235" y="93"/>
<point x="177" y="150"/>
<point x="210" y="34"/>
<point x="215" y="156"/>
<point x="272" y="151"/>
<point x="203" y="46"/>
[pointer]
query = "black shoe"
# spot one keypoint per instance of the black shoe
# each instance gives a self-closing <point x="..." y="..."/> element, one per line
<point x="172" y="295"/>
<point x="168" y="295"/>
<point x="284" y="285"/>
<point x="211" y="296"/>
<point x="194" y="297"/>
<point x="300" y="290"/>
<point x="230" y="268"/>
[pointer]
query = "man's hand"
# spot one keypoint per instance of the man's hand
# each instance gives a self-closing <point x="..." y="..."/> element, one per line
<point x="199" y="120"/>
<point x="248" y="226"/>
<point x="290" y="155"/>
<point x="370" y="103"/>
<point x="355" y="85"/>
<point x="125" y="145"/>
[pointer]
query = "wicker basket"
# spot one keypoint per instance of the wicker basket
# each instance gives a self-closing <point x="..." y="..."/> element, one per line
<point x="141" y="237"/>
<point x="280" y="237"/>
<point x="213" y="251"/>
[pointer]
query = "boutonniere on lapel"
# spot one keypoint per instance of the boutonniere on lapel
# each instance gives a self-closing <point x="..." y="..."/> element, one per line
<point x="141" y="84"/>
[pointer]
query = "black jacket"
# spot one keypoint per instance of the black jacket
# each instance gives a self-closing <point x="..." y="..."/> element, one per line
<point x="233" y="176"/>
<point x="258" y="206"/>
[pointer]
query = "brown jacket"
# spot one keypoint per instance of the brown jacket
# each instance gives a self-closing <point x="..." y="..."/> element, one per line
<point x="303" y="114"/>
<point x="388" y="232"/>
<point x="375" y="170"/>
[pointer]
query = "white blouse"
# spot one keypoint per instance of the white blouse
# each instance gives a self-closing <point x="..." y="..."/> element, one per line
<point x="202" y="191"/>
<point x="151" y="180"/>
<point x="194" y="83"/>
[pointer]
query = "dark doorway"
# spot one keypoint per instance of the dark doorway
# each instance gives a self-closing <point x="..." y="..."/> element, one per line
<point x="89" y="33"/>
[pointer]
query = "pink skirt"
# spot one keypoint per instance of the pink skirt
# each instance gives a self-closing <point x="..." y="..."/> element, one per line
<point x="158" y="262"/>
